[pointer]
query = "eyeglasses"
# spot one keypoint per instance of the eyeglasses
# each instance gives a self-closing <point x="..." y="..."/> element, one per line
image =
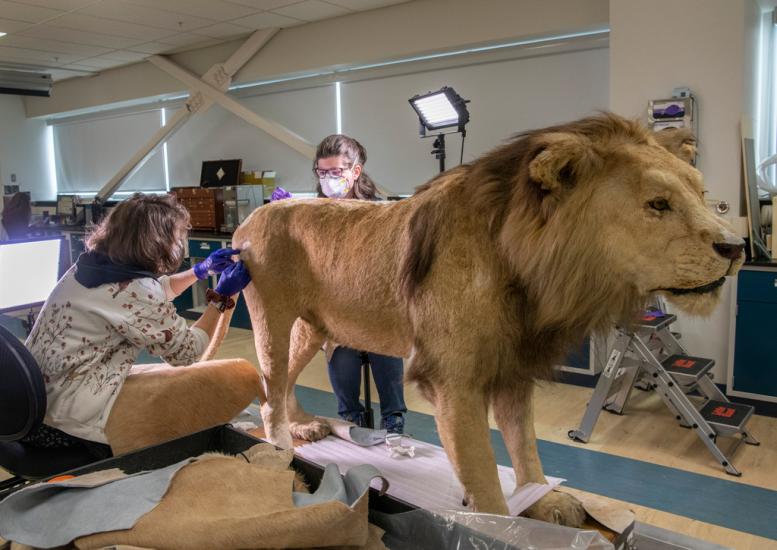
<point x="332" y="172"/>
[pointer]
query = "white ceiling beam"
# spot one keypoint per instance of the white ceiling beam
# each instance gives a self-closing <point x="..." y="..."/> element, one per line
<point x="219" y="75"/>
<point x="279" y="132"/>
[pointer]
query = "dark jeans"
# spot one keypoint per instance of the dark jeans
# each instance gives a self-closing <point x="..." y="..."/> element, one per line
<point x="345" y="374"/>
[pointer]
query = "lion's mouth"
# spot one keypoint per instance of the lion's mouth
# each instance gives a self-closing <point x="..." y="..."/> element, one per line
<point x="709" y="287"/>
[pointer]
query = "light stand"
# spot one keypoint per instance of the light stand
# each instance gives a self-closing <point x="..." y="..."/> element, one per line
<point x="438" y="150"/>
<point x="369" y="419"/>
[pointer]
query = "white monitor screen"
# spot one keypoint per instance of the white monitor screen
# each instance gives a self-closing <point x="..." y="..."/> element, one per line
<point x="28" y="272"/>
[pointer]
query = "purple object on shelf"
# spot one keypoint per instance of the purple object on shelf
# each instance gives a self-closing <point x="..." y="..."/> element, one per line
<point x="279" y="193"/>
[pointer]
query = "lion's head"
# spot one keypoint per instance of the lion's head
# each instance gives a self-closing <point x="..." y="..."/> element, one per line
<point x="599" y="215"/>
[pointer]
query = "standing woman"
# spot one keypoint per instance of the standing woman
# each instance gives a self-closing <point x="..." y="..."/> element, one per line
<point x="117" y="300"/>
<point x="339" y="167"/>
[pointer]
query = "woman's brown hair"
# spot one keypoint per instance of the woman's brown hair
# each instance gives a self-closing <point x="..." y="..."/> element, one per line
<point x="143" y="231"/>
<point x="16" y="215"/>
<point x="340" y="145"/>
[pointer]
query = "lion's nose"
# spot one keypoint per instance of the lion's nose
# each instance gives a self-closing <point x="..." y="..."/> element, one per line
<point x="730" y="251"/>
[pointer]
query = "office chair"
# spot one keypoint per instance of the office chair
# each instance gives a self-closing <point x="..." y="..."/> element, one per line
<point x="22" y="409"/>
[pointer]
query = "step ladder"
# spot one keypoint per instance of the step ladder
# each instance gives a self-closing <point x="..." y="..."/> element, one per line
<point x="650" y="357"/>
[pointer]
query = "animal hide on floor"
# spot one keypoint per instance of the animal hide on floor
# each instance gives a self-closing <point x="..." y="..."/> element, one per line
<point x="247" y="502"/>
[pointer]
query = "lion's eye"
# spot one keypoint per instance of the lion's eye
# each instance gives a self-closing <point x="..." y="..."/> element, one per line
<point x="659" y="204"/>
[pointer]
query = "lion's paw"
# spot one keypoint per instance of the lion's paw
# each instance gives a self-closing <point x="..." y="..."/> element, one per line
<point x="559" y="508"/>
<point x="310" y="431"/>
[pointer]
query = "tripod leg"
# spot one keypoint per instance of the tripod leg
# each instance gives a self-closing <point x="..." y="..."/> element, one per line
<point x="369" y="417"/>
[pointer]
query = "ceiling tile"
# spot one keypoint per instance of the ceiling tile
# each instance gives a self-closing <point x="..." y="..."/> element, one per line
<point x="203" y="43"/>
<point x="79" y="67"/>
<point x="101" y="63"/>
<point x="64" y="5"/>
<point x="8" y="26"/>
<point x="312" y="10"/>
<point x="268" y="19"/>
<point x="80" y="37"/>
<point x="33" y="43"/>
<point x="38" y="56"/>
<point x="264" y="4"/>
<point x="23" y="12"/>
<point x="185" y="39"/>
<point x="217" y="10"/>
<point x="143" y="15"/>
<point x="151" y="48"/>
<point x="125" y="55"/>
<point x="117" y="28"/>
<point x="363" y="5"/>
<point x="223" y="30"/>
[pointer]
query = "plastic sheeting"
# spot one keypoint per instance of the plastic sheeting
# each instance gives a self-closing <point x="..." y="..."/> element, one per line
<point x="421" y="530"/>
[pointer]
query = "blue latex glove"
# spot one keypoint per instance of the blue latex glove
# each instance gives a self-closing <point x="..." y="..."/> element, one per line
<point x="233" y="279"/>
<point x="217" y="262"/>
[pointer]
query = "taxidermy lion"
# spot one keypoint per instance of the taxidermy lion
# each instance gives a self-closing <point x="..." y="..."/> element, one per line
<point x="484" y="279"/>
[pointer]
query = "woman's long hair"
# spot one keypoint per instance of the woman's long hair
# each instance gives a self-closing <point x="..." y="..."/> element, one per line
<point x="340" y="145"/>
<point x="143" y="231"/>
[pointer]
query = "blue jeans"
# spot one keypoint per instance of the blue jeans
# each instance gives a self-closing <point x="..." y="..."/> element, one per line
<point x="345" y="374"/>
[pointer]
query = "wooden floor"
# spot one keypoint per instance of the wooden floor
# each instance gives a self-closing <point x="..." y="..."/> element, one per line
<point x="647" y="432"/>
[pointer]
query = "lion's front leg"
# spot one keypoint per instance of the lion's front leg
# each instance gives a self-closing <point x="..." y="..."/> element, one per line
<point x="462" y="420"/>
<point x="514" y="415"/>
<point x="305" y="343"/>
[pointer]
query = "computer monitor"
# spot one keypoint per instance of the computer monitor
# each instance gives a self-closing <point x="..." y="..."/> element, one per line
<point x="29" y="269"/>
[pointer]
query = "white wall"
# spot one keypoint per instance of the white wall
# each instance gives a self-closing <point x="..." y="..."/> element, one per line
<point x="706" y="45"/>
<point x="23" y="149"/>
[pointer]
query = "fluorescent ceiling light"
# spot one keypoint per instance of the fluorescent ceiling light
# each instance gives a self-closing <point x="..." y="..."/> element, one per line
<point x="2" y="34"/>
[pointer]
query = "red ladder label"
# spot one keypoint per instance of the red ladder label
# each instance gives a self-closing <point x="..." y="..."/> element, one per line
<point x="725" y="412"/>
<point x="683" y="363"/>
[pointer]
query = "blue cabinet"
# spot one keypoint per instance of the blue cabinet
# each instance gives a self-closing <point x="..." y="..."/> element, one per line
<point x="754" y="372"/>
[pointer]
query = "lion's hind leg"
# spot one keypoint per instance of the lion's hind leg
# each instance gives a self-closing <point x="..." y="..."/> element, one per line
<point x="513" y="411"/>
<point x="272" y="322"/>
<point x="305" y="343"/>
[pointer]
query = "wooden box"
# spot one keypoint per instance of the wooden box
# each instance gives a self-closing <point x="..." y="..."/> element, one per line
<point x="205" y="206"/>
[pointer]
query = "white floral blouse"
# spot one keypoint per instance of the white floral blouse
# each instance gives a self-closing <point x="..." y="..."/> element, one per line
<point x="86" y="340"/>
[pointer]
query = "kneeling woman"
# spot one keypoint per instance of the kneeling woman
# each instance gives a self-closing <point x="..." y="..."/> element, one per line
<point x="116" y="301"/>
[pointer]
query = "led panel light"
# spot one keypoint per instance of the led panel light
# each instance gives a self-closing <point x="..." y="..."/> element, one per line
<point x="28" y="272"/>
<point x="441" y="109"/>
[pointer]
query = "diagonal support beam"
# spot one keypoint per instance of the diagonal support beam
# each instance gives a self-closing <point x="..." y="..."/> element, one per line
<point x="219" y="75"/>
<point x="279" y="132"/>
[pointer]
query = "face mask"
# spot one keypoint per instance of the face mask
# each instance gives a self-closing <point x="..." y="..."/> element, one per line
<point x="335" y="188"/>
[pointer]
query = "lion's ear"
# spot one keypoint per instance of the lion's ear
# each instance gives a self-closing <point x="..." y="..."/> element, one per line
<point x="679" y="141"/>
<point x="563" y="159"/>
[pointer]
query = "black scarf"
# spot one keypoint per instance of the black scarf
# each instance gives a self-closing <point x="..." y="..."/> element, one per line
<point x="95" y="268"/>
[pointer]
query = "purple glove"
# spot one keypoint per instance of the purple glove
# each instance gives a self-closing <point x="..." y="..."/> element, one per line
<point x="279" y="193"/>
<point x="233" y="279"/>
<point x="217" y="262"/>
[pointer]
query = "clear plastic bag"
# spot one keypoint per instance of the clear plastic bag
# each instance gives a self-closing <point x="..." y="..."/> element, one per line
<point x="424" y="530"/>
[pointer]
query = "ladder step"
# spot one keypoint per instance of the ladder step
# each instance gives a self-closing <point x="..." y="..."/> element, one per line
<point x="686" y="369"/>
<point x="725" y="417"/>
<point x="655" y="320"/>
